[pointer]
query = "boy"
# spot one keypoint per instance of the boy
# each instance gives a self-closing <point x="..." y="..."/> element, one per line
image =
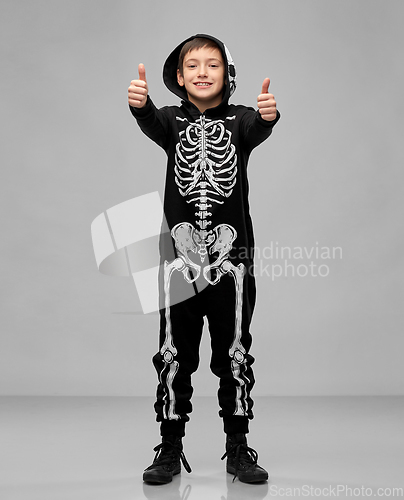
<point x="208" y="142"/>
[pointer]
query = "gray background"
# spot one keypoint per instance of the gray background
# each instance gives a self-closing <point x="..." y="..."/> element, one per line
<point x="331" y="173"/>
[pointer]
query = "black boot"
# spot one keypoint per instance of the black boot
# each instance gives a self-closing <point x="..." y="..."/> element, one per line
<point x="242" y="460"/>
<point x="167" y="461"/>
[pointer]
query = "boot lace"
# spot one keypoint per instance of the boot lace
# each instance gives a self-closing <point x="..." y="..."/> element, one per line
<point x="245" y="457"/>
<point x="165" y="452"/>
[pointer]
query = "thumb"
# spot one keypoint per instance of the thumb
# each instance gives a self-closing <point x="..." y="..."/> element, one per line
<point x="265" y="86"/>
<point x="142" y="72"/>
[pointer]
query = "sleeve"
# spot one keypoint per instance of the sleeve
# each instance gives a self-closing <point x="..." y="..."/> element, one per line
<point x="155" y="123"/>
<point x="254" y="129"/>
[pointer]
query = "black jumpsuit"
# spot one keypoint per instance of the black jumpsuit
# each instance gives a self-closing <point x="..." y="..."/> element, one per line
<point x="207" y="253"/>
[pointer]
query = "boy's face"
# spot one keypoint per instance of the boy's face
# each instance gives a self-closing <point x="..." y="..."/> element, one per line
<point x="203" y="77"/>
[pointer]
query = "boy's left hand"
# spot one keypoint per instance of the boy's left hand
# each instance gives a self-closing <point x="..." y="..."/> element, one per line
<point x="266" y="102"/>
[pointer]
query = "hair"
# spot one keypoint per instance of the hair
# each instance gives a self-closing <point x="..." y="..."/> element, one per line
<point x="195" y="43"/>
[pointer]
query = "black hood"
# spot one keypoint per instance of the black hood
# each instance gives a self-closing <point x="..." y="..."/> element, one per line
<point x="171" y="65"/>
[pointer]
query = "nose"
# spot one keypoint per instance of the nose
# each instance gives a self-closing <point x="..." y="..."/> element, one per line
<point x="203" y="70"/>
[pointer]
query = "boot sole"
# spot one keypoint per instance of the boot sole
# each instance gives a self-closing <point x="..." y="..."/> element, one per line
<point x="248" y="479"/>
<point x="159" y="478"/>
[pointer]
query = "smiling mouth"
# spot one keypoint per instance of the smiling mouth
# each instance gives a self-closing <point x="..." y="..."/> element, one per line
<point x="202" y="84"/>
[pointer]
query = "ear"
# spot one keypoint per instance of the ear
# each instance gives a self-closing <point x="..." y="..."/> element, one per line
<point x="180" y="78"/>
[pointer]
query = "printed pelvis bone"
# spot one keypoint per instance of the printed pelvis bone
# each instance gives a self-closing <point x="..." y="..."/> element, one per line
<point x="183" y="235"/>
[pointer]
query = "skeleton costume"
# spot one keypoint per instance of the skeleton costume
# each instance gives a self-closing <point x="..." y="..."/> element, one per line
<point x="207" y="254"/>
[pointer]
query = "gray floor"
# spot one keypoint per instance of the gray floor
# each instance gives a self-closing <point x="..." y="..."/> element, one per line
<point x="96" y="448"/>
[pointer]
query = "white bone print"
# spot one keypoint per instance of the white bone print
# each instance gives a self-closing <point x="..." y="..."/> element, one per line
<point x="205" y="167"/>
<point x="225" y="235"/>
<point x="205" y="173"/>
<point x="236" y="350"/>
<point x="186" y="240"/>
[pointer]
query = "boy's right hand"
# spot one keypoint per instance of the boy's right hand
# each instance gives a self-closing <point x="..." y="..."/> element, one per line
<point x="138" y="89"/>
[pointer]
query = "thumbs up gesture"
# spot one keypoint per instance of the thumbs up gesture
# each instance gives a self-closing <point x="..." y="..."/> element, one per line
<point x="266" y="102"/>
<point x="138" y="89"/>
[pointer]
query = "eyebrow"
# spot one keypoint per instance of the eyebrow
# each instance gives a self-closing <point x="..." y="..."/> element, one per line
<point x="210" y="59"/>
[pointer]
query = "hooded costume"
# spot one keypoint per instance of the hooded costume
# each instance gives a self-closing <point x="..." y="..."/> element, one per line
<point x="207" y="253"/>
